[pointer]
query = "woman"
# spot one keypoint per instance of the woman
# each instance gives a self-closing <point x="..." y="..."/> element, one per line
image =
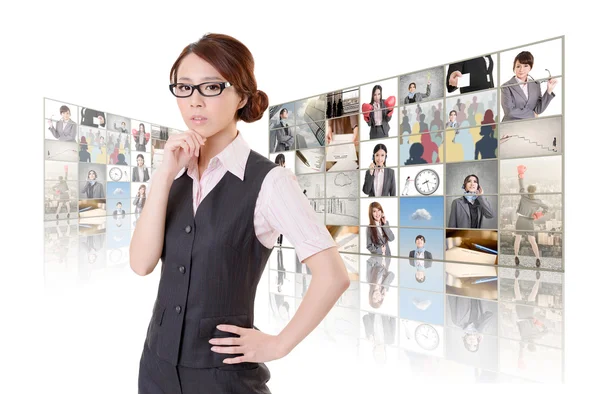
<point x="93" y="188"/>
<point x="139" y="201"/>
<point x="469" y="210"/>
<point x="285" y="139"/>
<point x="140" y="173"/>
<point x="140" y="139"/>
<point x="378" y="113"/>
<point x="379" y="233"/>
<point x="527" y="212"/>
<point x="211" y="219"/>
<point x="379" y="180"/>
<point x="416" y="97"/>
<point x="379" y="278"/>
<point x="84" y="155"/>
<point x="280" y="161"/>
<point x="522" y="96"/>
<point x="62" y="194"/>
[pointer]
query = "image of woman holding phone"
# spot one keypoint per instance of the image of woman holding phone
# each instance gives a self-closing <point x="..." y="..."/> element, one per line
<point x="139" y="201"/>
<point x="379" y="180"/>
<point x="469" y="210"/>
<point x="379" y="233"/>
<point x="93" y="188"/>
<point x="211" y="218"/>
<point x="522" y="95"/>
<point x="527" y="212"/>
<point x="280" y="161"/>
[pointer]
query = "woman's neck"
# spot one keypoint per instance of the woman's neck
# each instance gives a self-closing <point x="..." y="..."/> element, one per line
<point x="215" y="144"/>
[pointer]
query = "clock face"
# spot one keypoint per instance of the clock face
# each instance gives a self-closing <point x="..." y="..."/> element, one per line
<point x="427" y="181"/>
<point x="427" y="337"/>
<point x="115" y="174"/>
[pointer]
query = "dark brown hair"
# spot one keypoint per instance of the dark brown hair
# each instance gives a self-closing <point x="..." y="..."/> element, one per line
<point x="524" y="57"/>
<point x="235" y="63"/>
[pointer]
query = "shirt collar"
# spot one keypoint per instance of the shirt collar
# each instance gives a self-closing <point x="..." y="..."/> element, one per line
<point x="233" y="158"/>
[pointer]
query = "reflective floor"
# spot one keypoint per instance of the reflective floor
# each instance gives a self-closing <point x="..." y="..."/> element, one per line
<point x="455" y="322"/>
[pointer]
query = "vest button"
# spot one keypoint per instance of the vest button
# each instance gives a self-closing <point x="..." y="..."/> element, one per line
<point x="188" y="229"/>
<point x="182" y="269"/>
<point x="178" y="309"/>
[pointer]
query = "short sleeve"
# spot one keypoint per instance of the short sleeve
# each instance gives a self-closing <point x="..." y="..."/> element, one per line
<point x="287" y="210"/>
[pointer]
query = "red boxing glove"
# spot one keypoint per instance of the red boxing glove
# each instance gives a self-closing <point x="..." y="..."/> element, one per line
<point x="521" y="170"/>
<point x="537" y="215"/>
<point x="366" y="108"/>
<point x="390" y="102"/>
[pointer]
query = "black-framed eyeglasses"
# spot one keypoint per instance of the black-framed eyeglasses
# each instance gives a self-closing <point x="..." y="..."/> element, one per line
<point x="206" y="89"/>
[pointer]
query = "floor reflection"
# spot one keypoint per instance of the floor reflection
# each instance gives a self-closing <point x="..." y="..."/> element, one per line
<point x="456" y="322"/>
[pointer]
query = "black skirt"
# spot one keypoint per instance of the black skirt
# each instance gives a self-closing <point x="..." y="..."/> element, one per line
<point x="157" y="376"/>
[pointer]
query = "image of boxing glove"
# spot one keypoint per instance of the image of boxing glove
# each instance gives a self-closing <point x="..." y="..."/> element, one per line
<point x="390" y="102"/>
<point x="367" y="108"/>
<point x="521" y="170"/>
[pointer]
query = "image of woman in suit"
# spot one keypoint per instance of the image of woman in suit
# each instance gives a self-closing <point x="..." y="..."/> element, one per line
<point x="66" y="129"/>
<point x="415" y="97"/>
<point x="469" y="315"/>
<point x="378" y="113"/>
<point x="285" y="139"/>
<point x="379" y="180"/>
<point x="140" y="139"/>
<point x="379" y="278"/>
<point x="522" y="99"/>
<point x="140" y="173"/>
<point x="379" y="233"/>
<point x="528" y="211"/>
<point x="93" y="188"/>
<point x="139" y="200"/>
<point x="469" y="210"/>
<point x="280" y="161"/>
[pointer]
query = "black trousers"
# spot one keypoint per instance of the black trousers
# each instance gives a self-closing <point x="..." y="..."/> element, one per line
<point x="157" y="376"/>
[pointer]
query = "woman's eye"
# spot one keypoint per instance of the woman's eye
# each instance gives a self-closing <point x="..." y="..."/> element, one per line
<point x="212" y="87"/>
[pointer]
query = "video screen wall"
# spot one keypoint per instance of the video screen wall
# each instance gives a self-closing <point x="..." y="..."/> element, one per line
<point x="97" y="164"/>
<point x="438" y="186"/>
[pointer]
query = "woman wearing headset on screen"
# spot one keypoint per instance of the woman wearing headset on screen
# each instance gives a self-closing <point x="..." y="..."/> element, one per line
<point x="212" y="219"/>
<point x="521" y="95"/>
<point x="379" y="233"/>
<point x="379" y="180"/>
<point x="469" y="210"/>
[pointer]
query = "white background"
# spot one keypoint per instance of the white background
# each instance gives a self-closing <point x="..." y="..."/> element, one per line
<point x="65" y="339"/>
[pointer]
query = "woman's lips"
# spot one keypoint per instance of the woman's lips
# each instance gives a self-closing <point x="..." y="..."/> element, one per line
<point x="198" y="119"/>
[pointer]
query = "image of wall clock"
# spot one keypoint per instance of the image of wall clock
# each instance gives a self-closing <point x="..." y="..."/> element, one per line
<point x="427" y="181"/>
<point x="115" y="174"/>
<point x="427" y="337"/>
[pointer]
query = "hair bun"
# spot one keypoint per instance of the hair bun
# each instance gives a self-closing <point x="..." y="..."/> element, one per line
<point x="255" y="107"/>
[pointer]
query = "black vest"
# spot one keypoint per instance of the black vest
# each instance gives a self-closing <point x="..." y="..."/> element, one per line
<point x="211" y="266"/>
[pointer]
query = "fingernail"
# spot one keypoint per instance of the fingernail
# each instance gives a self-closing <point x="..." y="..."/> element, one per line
<point x="212" y="348"/>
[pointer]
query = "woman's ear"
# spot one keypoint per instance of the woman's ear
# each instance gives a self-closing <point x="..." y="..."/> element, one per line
<point x="243" y="102"/>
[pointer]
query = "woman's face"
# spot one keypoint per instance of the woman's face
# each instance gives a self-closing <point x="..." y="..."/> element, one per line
<point x="206" y="115"/>
<point x="142" y="128"/>
<point x="140" y="161"/>
<point x="284" y="114"/>
<point x="66" y="115"/>
<point x="380" y="157"/>
<point x="420" y="243"/>
<point x="452" y="116"/>
<point x="377" y="95"/>
<point x="377" y="214"/>
<point x="471" y="185"/>
<point x="92" y="175"/>
<point x="522" y="70"/>
<point x="142" y="190"/>
<point x="377" y="296"/>
<point x="412" y="88"/>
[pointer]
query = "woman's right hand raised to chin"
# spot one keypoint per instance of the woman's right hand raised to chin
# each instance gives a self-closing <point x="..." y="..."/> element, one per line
<point x="179" y="150"/>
